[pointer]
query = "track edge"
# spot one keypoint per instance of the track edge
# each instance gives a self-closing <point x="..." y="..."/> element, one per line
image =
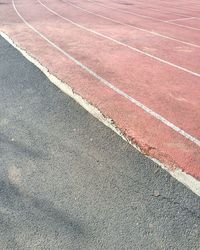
<point x="186" y="179"/>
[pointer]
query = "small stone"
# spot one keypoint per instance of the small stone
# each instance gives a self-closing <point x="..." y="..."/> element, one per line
<point x="150" y="225"/>
<point x="12" y="139"/>
<point x="156" y="193"/>
<point x="14" y="175"/>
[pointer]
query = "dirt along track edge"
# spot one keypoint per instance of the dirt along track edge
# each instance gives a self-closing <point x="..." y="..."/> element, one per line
<point x="186" y="179"/>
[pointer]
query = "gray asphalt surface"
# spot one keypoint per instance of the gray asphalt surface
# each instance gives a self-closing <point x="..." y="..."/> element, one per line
<point x="68" y="182"/>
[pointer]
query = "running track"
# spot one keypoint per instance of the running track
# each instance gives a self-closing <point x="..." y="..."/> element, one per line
<point x="138" y="62"/>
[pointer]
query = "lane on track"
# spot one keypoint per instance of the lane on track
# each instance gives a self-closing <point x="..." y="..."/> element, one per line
<point x="179" y="8"/>
<point x="167" y="146"/>
<point x="135" y="13"/>
<point x="163" y="16"/>
<point x="165" y="28"/>
<point x="148" y="13"/>
<point x="176" y="11"/>
<point x="164" y="48"/>
<point x="129" y="25"/>
<point x="155" y="9"/>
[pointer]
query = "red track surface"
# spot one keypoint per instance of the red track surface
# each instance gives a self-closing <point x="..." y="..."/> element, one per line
<point x="149" y="51"/>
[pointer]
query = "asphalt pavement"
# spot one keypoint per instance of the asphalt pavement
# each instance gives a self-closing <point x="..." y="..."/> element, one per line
<point x="69" y="182"/>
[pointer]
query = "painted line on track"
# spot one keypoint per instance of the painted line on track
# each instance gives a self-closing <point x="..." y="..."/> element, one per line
<point x="181" y="19"/>
<point x="130" y="25"/>
<point x="170" y="22"/>
<point x="162" y="11"/>
<point x="111" y="86"/>
<point x="121" y="43"/>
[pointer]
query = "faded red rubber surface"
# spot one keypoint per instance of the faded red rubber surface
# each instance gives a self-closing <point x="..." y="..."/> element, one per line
<point x="169" y="91"/>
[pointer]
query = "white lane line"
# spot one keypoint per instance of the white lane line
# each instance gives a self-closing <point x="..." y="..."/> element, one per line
<point x="180" y="19"/>
<point x="184" y="26"/>
<point x="111" y="86"/>
<point x="121" y="43"/>
<point x="141" y="6"/>
<point x="130" y="25"/>
<point x="166" y="11"/>
<point x="144" y="16"/>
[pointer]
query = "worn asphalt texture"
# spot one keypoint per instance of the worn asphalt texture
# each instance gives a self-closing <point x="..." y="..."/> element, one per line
<point x="69" y="182"/>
